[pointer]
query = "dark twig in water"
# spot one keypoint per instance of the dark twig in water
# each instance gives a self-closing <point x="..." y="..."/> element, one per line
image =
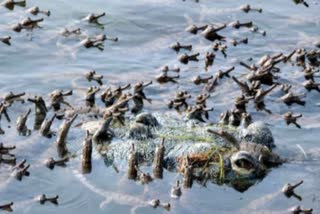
<point x="43" y="199"/>
<point x="7" y="207"/>
<point x="288" y="190"/>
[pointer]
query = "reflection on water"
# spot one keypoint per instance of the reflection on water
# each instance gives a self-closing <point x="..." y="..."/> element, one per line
<point x="40" y="61"/>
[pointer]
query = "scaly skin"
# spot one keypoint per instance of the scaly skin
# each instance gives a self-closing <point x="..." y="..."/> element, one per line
<point x="183" y="139"/>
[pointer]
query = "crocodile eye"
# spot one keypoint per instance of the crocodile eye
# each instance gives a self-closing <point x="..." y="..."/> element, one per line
<point x="244" y="163"/>
<point x="248" y="137"/>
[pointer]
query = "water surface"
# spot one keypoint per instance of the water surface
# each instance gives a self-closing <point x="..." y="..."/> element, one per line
<point x="42" y="61"/>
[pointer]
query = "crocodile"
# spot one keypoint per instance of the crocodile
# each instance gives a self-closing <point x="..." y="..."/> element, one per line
<point x="187" y="144"/>
<point x="212" y="156"/>
<point x="215" y="151"/>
